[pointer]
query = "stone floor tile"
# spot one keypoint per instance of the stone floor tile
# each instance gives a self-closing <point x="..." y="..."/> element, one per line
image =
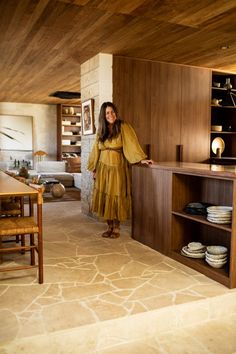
<point x="101" y="293"/>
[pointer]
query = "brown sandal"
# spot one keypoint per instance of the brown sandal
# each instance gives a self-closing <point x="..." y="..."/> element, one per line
<point x="115" y="233"/>
<point x="107" y="233"/>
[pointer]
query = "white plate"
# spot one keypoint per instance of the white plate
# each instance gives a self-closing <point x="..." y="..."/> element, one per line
<point x="219" y="213"/>
<point x="184" y="252"/>
<point x="219" y="208"/>
<point x="219" y="216"/>
<point x="219" y="221"/>
<point x="217" y="249"/>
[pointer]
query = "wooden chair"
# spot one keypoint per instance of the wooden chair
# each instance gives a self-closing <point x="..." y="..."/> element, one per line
<point x="29" y="226"/>
<point x="13" y="207"/>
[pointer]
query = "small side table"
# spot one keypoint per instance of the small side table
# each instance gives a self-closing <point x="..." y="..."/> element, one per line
<point x="49" y="183"/>
<point x="55" y="187"/>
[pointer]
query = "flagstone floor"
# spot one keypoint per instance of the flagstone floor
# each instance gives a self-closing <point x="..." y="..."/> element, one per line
<point x="109" y="296"/>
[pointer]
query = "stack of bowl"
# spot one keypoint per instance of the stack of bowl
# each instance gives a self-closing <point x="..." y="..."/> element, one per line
<point x="216" y="256"/>
<point x="219" y="214"/>
<point x="194" y="250"/>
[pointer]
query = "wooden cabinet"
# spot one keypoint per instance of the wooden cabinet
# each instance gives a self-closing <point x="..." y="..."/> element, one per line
<point x="188" y="228"/>
<point x="160" y="222"/>
<point x="223" y="116"/>
<point x="180" y="113"/>
<point x="151" y="214"/>
<point x="69" y="135"/>
<point x="168" y="106"/>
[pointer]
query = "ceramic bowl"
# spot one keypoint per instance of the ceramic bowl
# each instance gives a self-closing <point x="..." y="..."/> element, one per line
<point x="216" y="128"/>
<point x="218" y="261"/>
<point x="195" y="246"/>
<point x="217" y="249"/>
<point x="215" y="256"/>
<point x="216" y="265"/>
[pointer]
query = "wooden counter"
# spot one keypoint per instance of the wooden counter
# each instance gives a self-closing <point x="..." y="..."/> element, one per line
<point x="160" y="193"/>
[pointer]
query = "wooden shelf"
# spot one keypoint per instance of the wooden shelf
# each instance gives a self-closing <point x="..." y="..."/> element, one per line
<point x="222" y="132"/>
<point x="222" y="89"/>
<point x="219" y="274"/>
<point x="202" y="219"/>
<point x="218" y="106"/>
<point x="187" y="228"/>
<point x="72" y="115"/>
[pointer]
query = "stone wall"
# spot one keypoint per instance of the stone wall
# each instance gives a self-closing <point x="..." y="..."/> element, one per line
<point x="96" y="83"/>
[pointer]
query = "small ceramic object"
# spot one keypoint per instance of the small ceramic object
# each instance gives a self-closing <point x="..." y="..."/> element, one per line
<point x="217" y="249"/>
<point x="227" y="84"/>
<point x="218" y="143"/>
<point x="71" y="110"/>
<point x="216" y="84"/>
<point x="216" y="101"/>
<point x="216" y="128"/>
<point x="58" y="190"/>
<point x="195" y="246"/>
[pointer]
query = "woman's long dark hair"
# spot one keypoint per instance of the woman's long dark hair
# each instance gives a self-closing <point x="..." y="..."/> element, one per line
<point x="103" y="131"/>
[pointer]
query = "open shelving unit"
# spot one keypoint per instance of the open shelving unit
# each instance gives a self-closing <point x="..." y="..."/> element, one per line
<point x="69" y="135"/>
<point x="195" y="228"/>
<point x="161" y="222"/>
<point x="224" y="114"/>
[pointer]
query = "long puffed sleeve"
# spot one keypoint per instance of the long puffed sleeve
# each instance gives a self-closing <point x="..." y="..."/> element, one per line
<point x="93" y="156"/>
<point x="131" y="147"/>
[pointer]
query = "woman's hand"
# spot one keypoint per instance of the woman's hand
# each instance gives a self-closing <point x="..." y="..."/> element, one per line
<point x="147" y="162"/>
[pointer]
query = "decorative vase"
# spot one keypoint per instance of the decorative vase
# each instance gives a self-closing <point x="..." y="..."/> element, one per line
<point x="227" y="84"/>
<point x="23" y="172"/>
<point x="58" y="190"/>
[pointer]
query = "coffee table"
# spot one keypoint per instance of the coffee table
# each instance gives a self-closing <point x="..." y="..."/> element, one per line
<point x="49" y="183"/>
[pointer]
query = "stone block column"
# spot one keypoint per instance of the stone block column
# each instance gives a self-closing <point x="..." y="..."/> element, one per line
<point x="96" y="83"/>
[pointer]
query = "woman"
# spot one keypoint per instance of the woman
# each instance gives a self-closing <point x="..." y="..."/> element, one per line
<point x="116" y="146"/>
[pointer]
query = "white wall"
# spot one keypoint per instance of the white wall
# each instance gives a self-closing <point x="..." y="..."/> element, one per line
<point x="44" y="126"/>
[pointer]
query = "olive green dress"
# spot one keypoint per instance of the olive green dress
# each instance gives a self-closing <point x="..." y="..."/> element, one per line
<point x="110" y="159"/>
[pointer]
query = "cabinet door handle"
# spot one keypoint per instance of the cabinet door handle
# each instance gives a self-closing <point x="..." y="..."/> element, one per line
<point x="148" y="150"/>
<point x="180" y="149"/>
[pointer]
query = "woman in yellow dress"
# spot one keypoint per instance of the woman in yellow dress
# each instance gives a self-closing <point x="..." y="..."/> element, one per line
<point x="116" y="146"/>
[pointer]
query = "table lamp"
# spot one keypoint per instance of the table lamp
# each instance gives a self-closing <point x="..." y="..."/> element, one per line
<point x="40" y="154"/>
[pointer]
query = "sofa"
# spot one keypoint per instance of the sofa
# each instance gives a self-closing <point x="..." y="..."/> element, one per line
<point x="51" y="169"/>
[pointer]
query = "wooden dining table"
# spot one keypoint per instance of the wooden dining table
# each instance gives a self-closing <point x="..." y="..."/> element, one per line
<point x="11" y="187"/>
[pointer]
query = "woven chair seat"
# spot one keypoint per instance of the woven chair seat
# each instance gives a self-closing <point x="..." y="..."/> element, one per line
<point x="18" y="226"/>
<point x="10" y="212"/>
<point x="10" y="207"/>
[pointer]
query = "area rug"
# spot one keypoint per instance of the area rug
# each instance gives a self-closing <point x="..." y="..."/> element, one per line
<point x="72" y="194"/>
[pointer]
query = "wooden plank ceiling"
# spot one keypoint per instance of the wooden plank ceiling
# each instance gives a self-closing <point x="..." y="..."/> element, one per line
<point x="43" y="42"/>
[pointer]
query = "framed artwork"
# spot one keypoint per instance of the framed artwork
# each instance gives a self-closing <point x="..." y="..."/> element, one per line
<point x="88" y="117"/>
<point x="16" y="132"/>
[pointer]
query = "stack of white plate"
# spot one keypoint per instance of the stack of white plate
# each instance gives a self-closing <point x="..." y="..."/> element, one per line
<point x="219" y="214"/>
<point x="194" y="250"/>
<point x="216" y="256"/>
